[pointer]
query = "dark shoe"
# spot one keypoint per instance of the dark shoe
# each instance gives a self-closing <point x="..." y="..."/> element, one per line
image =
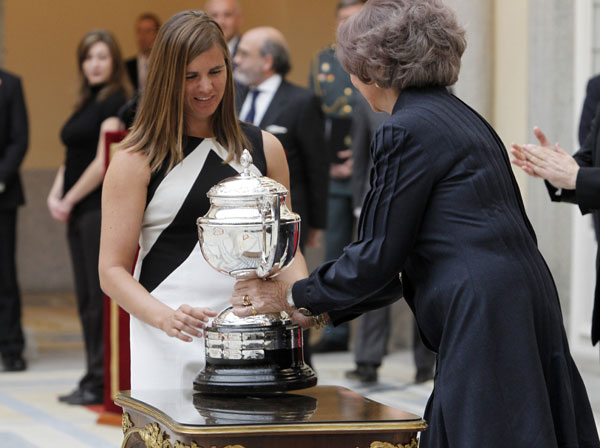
<point x="365" y="373"/>
<point x="14" y="363"/>
<point x="65" y="398"/>
<point x="85" y="397"/>
<point x="326" y="345"/>
<point x="423" y="375"/>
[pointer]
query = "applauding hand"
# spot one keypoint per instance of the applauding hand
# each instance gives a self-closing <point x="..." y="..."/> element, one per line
<point x="550" y="162"/>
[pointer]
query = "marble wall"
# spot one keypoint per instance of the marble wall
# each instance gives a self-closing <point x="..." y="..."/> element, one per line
<point x="475" y="85"/>
<point x="551" y="107"/>
<point x="43" y="261"/>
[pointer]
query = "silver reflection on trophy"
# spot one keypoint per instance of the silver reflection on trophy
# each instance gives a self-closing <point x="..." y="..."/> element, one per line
<point x="249" y="232"/>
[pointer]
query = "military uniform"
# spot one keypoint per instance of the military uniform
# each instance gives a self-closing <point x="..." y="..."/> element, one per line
<point x="337" y="95"/>
<point x="332" y="86"/>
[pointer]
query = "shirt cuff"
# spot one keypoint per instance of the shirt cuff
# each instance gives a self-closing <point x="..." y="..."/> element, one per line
<point x="289" y="297"/>
<point x="300" y="291"/>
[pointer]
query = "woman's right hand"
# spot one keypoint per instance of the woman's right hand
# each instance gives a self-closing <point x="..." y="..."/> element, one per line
<point x="186" y="321"/>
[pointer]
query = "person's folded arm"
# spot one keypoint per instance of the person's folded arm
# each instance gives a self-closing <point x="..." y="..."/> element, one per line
<point x="389" y="294"/>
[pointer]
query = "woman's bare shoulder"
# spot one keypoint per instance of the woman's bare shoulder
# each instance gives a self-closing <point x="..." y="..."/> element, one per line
<point x="129" y="165"/>
<point x="272" y="147"/>
<point x="277" y="167"/>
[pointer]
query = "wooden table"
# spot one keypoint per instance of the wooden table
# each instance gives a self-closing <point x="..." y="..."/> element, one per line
<point x="322" y="416"/>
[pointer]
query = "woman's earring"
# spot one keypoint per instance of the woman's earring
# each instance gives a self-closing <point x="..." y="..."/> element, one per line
<point x="378" y="86"/>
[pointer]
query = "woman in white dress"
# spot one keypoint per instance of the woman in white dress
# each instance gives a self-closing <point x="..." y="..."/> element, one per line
<point x="186" y="137"/>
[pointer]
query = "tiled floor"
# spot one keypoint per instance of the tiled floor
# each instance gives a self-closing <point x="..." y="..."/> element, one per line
<point x="31" y="416"/>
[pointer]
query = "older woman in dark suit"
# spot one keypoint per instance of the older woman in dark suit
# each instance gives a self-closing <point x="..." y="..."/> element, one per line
<point x="445" y="211"/>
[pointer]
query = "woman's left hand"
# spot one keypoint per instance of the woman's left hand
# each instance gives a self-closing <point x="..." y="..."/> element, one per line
<point x="67" y="205"/>
<point x="550" y="162"/>
<point x="59" y="209"/>
<point x="258" y="296"/>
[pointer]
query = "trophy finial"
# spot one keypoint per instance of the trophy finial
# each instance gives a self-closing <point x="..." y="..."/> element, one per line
<point x="246" y="159"/>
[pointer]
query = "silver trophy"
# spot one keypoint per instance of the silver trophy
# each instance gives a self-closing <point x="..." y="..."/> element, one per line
<point x="249" y="232"/>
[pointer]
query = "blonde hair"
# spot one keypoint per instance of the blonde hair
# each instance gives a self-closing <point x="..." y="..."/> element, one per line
<point x="117" y="80"/>
<point x="159" y="125"/>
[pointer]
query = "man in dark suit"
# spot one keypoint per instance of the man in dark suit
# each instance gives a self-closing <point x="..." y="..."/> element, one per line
<point x="590" y="104"/>
<point x="13" y="145"/>
<point x="146" y="29"/>
<point x="293" y="115"/>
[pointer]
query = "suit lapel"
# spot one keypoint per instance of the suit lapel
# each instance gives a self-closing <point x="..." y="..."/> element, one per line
<point x="241" y="90"/>
<point x="278" y="103"/>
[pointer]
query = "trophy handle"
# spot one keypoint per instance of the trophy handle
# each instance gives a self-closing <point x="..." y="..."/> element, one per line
<point x="269" y="203"/>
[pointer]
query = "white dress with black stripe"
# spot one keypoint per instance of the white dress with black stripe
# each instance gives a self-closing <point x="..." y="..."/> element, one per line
<point x="170" y="263"/>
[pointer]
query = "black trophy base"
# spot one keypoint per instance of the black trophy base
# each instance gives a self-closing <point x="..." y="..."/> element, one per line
<point x="251" y="381"/>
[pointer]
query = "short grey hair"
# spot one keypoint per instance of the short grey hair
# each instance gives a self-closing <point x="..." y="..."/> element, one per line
<point x="280" y="54"/>
<point x="402" y="43"/>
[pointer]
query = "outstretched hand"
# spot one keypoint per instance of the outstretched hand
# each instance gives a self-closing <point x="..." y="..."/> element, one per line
<point x="187" y="321"/>
<point x="550" y="162"/>
<point x="257" y="296"/>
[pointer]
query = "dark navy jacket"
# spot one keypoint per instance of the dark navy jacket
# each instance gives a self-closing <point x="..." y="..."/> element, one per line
<point x="445" y="211"/>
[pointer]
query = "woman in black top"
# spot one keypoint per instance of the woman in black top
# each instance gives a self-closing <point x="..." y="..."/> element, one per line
<point x="75" y="194"/>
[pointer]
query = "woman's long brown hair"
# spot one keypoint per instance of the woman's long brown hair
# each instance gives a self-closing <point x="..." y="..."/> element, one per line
<point x="159" y="125"/>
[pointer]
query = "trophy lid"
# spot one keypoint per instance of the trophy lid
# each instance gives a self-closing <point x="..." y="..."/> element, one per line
<point x="227" y="319"/>
<point x="246" y="184"/>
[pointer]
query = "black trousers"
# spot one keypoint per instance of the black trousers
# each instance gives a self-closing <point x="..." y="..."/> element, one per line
<point x="83" y="234"/>
<point x="12" y="341"/>
<point x="370" y="342"/>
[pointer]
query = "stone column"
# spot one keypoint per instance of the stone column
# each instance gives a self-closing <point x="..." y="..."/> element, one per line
<point x="551" y="107"/>
<point x="475" y="85"/>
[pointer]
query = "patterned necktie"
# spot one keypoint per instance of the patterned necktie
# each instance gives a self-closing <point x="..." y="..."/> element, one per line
<point x="252" y="111"/>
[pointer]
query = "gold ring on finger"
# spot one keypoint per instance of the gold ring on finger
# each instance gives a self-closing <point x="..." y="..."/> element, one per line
<point x="246" y="300"/>
<point x="254" y="313"/>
